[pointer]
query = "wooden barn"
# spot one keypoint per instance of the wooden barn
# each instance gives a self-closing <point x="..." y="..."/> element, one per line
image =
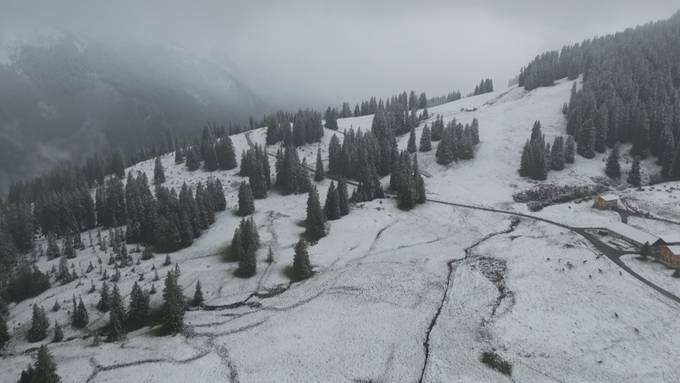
<point x="606" y="201"/>
<point x="669" y="255"/>
<point x="668" y="251"/>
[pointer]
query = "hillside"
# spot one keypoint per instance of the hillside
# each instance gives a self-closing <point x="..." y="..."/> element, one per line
<point x="67" y="98"/>
<point x="398" y="296"/>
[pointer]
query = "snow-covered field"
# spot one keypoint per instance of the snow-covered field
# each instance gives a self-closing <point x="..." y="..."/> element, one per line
<point x="383" y="304"/>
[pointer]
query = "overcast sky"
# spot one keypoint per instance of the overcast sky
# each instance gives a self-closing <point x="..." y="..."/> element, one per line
<point x="313" y="52"/>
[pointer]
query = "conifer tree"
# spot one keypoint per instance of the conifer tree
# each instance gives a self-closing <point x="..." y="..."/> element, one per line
<point x="226" y="156"/>
<point x="406" y="187"/>
<point x="315" y="222"/>
<point x="58" y="333"/>
<point x="158" y="172"/>
<point x="258" y="182"/>
<point x="332" y="205"/>
<point x="570" y="150"/>
<point x="246" y="205"/>
<point x="198" y="295"/>
<point x="634" y="177"/>
<point x="420" y="195"/>
<point x="247" y="263"/>
<point x="179" y="156"/>
<point x="411" y="147"/>
<point x="586" y="140"/>
<point x="235" y="250"/>
<point x="45" y="369"/>
<point x="209" y="157"/>
<point x="557" y="154"/>
<point x="39" y="325"/>
<point x="68" y="250"/>
<point x="173" y="305"/>
<point x="343" y="197"/>
<point x="613" y="169"/>
<point x="193" y="162"/>
<point x="79" y="317"/>
<point x="4" y="333"/>
<point x="115" y="330"/>
<point x="319" y="173"/>
<point x="52" y="247"/>
<point x="601" y="129"/>
<point x="138" y="309"/>
<point x="104" y="304"/>
<point x="147" y="253"/>
<point x="302" y="269"/>
<point x="425" y="139"/>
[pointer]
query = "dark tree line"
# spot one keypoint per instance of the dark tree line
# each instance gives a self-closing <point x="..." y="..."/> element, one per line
<point x="485" y="86"/>
<point x="538" y="157"/>
<point x="453" y="96"/>
<point x="630" y="92"/>
<point x="457" y="141"/>
<point x="305" y="127"/>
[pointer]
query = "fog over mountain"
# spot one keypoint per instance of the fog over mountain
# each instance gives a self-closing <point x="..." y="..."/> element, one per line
<point x="310" y="53"/>
<point x="64" y="98"/>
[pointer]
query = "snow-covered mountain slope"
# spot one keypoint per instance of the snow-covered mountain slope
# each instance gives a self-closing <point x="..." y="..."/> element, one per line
<point x="397" y="296"/>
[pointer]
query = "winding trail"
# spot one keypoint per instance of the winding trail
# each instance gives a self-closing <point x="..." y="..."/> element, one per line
<point x="453" y="266"/>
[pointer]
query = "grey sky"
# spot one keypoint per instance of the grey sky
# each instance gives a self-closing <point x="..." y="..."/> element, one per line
<point x="315" y="52"/>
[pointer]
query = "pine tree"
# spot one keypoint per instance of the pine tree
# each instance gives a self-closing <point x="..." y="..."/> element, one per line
<point x="246" y="205"/>
<point x="80" y="317"/>
<point x="601" y="129"/>
<point x="319" y="173"/>
<point x="58" y="333"/>
<point x="302" y="269"/>
<point x="4" y="333"/>
<point x="425" y="139"/>
<point x="247" y="263"/>
<point x="645" y="251"/>
<point x="179" y="156"/>
<point x="158" y="172"/>
<point x="173" y="305"/>
<point x="198" y="295"/>
<point x="147" y="253"/>
<point x="411" y="147"/>
<point x="343" y="197"/>
<point x="613" y="169"/>
<point x="634" y="177"/>
<point x="315" y="221"/>
<point x="52" y="247"/>
<point x="138" y="309"/>
<point x="45" y="370"/>
<point x="226" y="156"/>
<point x="586" y="140"/>
<point x="193" y="161"/>
<point x="104" y="304"/>
<point x="258" y="182"/>
<point x="332" y="205"/>
<point x="406" y="187"/>
<point x="209" y="157"/>
<point x="557" y="154"/>
<point x="116" y="317"/>
<point x="39" y="325"/>
<point x="420" y="195"/>
<point x="570" y="150"/>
